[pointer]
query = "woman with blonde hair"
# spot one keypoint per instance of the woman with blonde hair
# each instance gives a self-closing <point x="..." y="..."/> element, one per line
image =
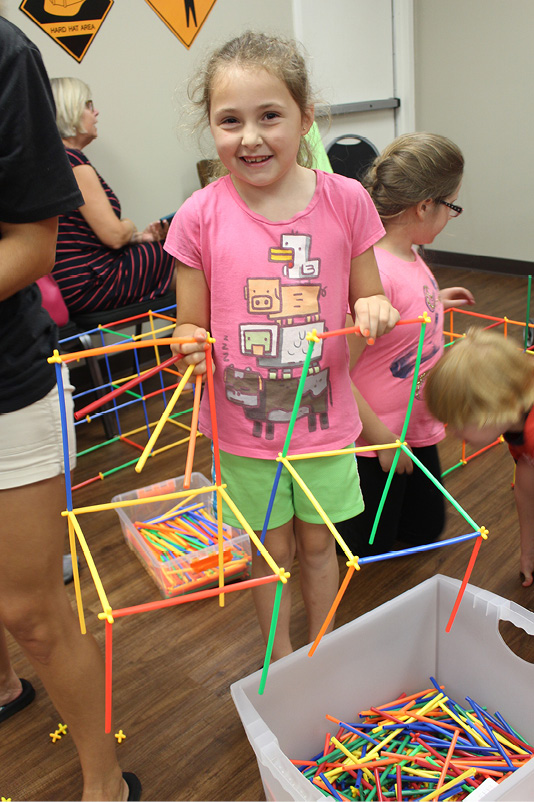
<point x="102" y="261"/>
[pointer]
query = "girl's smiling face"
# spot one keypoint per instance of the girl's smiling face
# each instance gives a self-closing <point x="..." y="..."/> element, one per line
<point x="256" y="125"/>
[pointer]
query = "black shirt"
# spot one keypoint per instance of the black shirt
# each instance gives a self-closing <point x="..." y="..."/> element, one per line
<point x="36" y="183"/>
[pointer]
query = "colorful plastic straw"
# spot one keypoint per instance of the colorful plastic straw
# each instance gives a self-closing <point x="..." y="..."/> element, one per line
<point x="423" y="746"/>
<point x="81" y="413"/>
<point x="161" y="423"/>
<point x="193" y="435"/>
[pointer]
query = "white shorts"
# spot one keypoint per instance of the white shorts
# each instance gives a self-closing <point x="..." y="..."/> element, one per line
<point x="31" y="444"/>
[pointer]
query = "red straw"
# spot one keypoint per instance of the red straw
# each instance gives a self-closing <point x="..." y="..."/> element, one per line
<point x="214" y="430"/>
<point x="465" y="580"/>
<point x="399" y="782"/>
<point x="108" y="677"/>
<point x="379" y="794"/>
<point x="201" y="594"/>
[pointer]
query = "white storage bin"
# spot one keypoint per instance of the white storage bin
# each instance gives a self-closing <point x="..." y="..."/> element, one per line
<point x="372" y="660"/>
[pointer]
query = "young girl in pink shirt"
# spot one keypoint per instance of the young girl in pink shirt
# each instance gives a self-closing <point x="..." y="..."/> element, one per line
<point x="414" y="184"/>
<point x="265" y="254"/>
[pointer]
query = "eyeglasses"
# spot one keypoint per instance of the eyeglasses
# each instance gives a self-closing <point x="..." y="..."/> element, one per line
<point x="90" y="105"/>
<point x="454" y="210"/>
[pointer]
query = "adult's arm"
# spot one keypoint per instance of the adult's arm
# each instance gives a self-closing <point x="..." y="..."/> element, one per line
<point x="98" y="212"/>
<point x="27" y="252"/>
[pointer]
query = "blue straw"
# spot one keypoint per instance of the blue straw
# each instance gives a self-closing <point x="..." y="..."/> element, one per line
<point x="65" y="436"/>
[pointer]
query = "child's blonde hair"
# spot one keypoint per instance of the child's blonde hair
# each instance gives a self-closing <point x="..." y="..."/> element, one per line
<point x="280" y="57"/>
<point x="413" y="168"/>
<point x="483" y="379"/>
<point x="70" y="96"/>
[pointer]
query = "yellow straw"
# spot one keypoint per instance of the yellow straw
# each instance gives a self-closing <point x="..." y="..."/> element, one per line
<point x="429" y="706"/>
<point x="480" y="741"/>
<point x="344" y="749"/>
<point x="340" y="451"/>
<point x="446" y="786"/>
<point x="113" y="505"/>
<point x="317" y="506"/>
<point x="161" y="423"/>
<point x="76" y="575"/>
<point x="284" y="575"/>
<point x="106" y="607"/>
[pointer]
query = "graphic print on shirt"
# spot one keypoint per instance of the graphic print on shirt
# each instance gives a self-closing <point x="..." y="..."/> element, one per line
<point x="286" y="312"/>
<point x="403" y="366"/>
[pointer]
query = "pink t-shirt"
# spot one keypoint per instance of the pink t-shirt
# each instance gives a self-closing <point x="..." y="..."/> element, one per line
<point x="270" y="284"/>
<point x="384" y="373"/>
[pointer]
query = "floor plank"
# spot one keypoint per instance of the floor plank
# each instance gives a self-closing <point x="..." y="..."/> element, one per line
<point x="173" y="668"/>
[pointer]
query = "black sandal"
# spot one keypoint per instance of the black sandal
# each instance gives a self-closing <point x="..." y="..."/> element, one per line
<point x="26" y="696"/>
<point x="134" y="785"/>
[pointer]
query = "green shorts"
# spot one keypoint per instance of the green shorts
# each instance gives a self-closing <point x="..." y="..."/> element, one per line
<point x="333" y="481"/>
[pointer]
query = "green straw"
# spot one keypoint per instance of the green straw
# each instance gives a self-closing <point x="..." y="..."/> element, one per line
<point x="460" y="464"/>
<point x="272" y="632"/>
<point x="298" y="397"/>
<point x="438" y="484"/>
<point x="527" y="330"/>
<point x="403" y="433"/>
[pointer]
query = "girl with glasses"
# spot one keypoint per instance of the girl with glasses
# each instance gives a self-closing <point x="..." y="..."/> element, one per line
<point x="414" y="184"/>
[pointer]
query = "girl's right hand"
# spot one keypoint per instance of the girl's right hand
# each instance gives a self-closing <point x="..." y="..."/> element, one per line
<point x="194" y="353"/>
<point x="386" y="456"/>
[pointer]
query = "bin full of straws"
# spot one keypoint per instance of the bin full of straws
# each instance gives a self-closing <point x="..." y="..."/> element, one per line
<point x="374" y="712"/>
<point x="177" y="539"/>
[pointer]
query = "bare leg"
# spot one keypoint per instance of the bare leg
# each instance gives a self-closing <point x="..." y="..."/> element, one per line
<point x="524" y="499"/>
<point x="280" y="543"/>
<point x="10" y="685"/>
<point x="35" y="608"/>
<point x="319" y="572"/>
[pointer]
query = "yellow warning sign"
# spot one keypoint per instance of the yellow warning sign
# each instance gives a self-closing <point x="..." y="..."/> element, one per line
<point x="184" y="17"/>
<point x="73" y="24"/>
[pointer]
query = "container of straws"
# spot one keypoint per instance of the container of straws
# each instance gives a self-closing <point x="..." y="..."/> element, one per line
<point x="177" y="540"/>
<point x="391" y="706"/>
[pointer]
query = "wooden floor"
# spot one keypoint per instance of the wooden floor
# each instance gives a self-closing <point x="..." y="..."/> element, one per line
<point x="173" y="668"/>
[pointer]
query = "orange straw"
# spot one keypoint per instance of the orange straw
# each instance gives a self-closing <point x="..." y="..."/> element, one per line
<point x="332" y="610"/>
<point x="448" y="759"/>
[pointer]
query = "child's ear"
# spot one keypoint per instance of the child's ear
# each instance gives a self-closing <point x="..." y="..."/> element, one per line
<point x="307" y="119"/>
<point x="423" y="207"/>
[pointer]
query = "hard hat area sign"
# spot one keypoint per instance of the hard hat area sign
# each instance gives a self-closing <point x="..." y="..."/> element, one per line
<point x="73" y="24"/>
<point x="184" y="17"/>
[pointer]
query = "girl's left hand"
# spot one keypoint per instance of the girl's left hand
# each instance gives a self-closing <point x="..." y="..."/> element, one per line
<point x="375" y="316"/>
<point x="456" y="296"/>
<point x="154" y="232"/>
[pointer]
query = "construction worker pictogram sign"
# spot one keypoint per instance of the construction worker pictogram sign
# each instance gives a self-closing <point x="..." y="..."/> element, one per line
<point x="73" y="24"/>
<point x="184" y="17"/>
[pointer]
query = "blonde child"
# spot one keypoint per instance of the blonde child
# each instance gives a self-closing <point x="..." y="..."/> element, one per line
<point x="414" y="184"/>
<point x="484" y="387"/>
<point x="265" y="254"/>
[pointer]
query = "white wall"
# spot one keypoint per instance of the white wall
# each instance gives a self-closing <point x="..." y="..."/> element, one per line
<point x="137" y="70"/>
<point x="474" y="66"/>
